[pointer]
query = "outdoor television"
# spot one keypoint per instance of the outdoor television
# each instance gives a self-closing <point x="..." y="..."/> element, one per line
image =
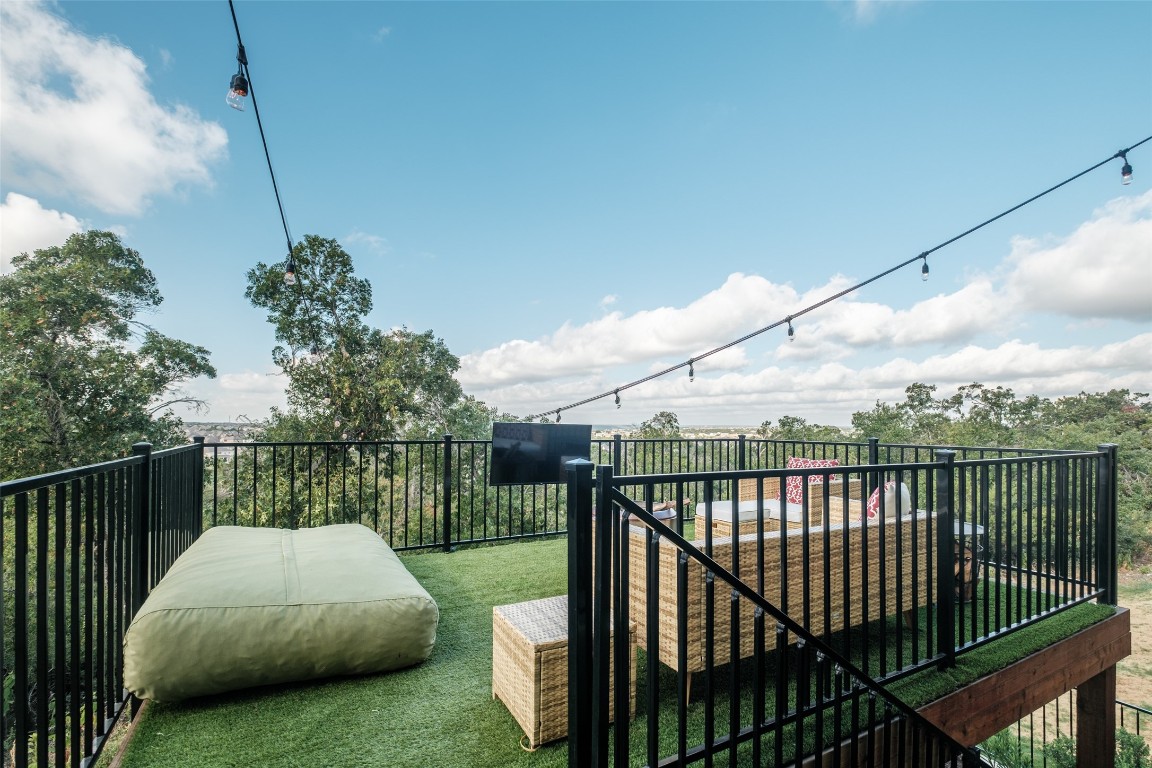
<point x="536" y="453"/>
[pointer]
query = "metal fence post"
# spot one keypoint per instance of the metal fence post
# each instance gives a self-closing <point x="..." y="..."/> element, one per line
<point x="446" y="509"/>
<point x="945" y="559"/>
<point x="143" y="493"/>
<point x="197" y="488"/>
<point x="741" y="452"/>
<point x="602" y="556"/>
<point x="617" y="447"/>
<point x="1106" y="565"/>
<point x="1061" y="522"/>
<point x="139" y="535"/>
<point x="579" y="613"/>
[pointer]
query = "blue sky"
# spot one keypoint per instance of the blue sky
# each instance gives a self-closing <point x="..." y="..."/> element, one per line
<point x="576" y="195"/>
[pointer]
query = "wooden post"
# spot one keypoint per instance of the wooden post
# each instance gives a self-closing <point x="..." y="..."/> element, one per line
<point x="1096" y="721"/>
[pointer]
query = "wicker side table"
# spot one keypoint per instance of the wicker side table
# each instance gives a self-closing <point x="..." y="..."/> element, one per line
<point x="530" y="666"/>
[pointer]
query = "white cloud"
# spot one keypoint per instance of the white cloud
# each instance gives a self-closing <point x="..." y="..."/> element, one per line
<point x="1102" y="270"/>
<point x="27" y="226"/>
<point x="77" y="119"/>
<point x="244" y="393"/>
<point x="976" y="307"/>
<point x="741" y="303"/>
<point x="1096" y="275"/>
<point x="374" y="243"/>
<point x="831" y="392"/>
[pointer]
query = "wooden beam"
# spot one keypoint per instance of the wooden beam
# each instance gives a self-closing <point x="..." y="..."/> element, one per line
<point x="989" y="705"/>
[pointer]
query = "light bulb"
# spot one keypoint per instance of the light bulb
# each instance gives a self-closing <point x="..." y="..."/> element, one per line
<point x="791" y="332"/>
<point x="237" y="92"/>
<point x="290" y="271"/>
<point x="691" y="371"/>
<point x="617" y="398"/>
<point x="1126" y="174"/>
<point x="924" y="271"/>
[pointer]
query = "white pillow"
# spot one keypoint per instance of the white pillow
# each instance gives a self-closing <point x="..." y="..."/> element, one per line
<point x="891" y="501"/>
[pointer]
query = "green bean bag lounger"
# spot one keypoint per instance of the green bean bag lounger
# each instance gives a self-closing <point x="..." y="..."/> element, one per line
<point x="255" y="606"/>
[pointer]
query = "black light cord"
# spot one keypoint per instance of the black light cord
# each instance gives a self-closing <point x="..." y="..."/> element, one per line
<point x="615" y="391"/>
<point x="242" y="57"/>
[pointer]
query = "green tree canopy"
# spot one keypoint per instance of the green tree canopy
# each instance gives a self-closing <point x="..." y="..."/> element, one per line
<point x="347" y="380"/>
<point x="796" y="428"/>
<point x="977" y="415"/>
<point x="663" y="424"/>
<point x="81" y="377"/>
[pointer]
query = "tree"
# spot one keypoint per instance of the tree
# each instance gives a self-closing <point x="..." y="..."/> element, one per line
<point x="346" y="380"/>
<point x="81" y="378"/>
<point x="797" y="428"/>
<point x="664" y="424"/>
<point x="977" y="415"/>
<point x="921" y="417"/>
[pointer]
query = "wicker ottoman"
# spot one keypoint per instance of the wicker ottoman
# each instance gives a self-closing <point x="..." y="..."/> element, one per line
<point x="530" y="666"/>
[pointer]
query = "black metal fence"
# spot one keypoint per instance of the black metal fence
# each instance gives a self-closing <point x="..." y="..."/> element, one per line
<point x="424" y="494"/>
<point x="81" y="548"/>
<point x="1046" y="738"/>
<point x="782" y="617"/>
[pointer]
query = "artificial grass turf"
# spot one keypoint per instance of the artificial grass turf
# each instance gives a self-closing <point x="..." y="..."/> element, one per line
<point x="928" y="685"/>
<point x="439" y="713"/>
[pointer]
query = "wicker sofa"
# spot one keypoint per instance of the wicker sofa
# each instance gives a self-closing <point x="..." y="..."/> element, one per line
<point x="826" y="579"/>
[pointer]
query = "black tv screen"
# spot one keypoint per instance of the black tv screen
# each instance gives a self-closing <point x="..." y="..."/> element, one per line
<point x="536" y="453"/>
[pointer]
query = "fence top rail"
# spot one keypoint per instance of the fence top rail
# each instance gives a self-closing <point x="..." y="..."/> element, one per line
<point x="1030" y="459"/>
<point x="845" y="469"/>
<point x="175" y="450"/>
<point x="27" y="484"/>
<point x="716" y="476"/>
<point x="976" y="448"/>
<point x="656" y="440"/>
<point x="1136" y="707"/>
<point x="328" y="443"/>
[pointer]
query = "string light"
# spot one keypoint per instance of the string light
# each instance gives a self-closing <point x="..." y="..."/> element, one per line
<point x="238" y="87"/>
<point x="245" y="75"/>
<point x="791" y="330"/>
<point x="557" y="417"/>
<point x="1126" y="177"/>
<point x="617" y="398"/>
<point x="691" y="370"/>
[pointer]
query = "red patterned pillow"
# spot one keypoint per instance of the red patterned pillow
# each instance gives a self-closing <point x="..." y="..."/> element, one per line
<point x="890" y="502"/>
<point x="794" y="486"/>
<point x="874" y="501"/>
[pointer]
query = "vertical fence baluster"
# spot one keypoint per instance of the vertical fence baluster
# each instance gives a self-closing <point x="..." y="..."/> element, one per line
<point x="446" y="491"/>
